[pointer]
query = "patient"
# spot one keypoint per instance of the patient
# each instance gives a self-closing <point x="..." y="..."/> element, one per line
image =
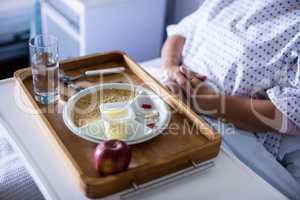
<point x="237" y="61"/>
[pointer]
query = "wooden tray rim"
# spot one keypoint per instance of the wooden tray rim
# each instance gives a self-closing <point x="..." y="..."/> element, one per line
<point x="85" y="180"/>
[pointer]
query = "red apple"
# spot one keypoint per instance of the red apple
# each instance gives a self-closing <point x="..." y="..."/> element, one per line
<point x="111" y="156"/>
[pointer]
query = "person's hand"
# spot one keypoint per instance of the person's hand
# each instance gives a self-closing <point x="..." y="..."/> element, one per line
<point x="202" y="96"/>
<point x="175" y="89"/>
<point x="202" y="88"/>
<point x="183" y="76"/>
<point x="182" y="82"/>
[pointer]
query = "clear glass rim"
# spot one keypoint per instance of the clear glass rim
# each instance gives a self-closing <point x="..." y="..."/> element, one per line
<point x="53" y="41"/>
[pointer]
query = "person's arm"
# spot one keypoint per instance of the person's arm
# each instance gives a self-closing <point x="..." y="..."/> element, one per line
<point x="173" y="47"/>
<point x="171" y="61"/>
<point x="171" y="53"/>
<point x="254" y="115"/>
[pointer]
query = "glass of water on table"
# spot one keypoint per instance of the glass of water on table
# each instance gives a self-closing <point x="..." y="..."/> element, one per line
<point x="45" y="68"/>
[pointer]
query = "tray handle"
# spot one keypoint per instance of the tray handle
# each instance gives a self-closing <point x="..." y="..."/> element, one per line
<point x="137" y="189"/>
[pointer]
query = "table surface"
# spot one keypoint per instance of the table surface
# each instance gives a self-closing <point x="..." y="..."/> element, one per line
<point x="228" y="179"/>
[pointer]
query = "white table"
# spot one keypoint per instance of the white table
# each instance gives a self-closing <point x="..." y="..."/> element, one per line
<point x="229" y="179"/>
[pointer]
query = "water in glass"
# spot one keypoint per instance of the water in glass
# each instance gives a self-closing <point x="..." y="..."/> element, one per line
<point x="45" y="69"/>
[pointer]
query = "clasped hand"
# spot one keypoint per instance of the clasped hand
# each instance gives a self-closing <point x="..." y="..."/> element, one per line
<point x="183" y="82"/>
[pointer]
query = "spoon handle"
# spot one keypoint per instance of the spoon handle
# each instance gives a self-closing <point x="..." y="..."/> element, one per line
<point x="115" y="70"/>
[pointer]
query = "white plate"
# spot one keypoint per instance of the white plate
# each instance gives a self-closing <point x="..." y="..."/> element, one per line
<point x="94" y="132"/>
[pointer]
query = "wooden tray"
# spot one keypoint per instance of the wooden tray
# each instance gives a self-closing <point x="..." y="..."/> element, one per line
<point x="188" y="138"/>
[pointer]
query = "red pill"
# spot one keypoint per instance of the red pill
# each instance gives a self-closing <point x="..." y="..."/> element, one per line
<point x="147" y="106"/>
<point x="152" y="125"/>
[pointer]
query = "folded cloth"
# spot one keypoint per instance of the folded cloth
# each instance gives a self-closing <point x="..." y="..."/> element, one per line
<point x="15" y="182"/>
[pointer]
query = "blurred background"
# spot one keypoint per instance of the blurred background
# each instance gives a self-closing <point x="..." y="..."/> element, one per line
<point x="87" y="26"/>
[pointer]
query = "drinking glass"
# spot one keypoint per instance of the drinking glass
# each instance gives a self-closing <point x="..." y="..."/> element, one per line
<point x="45" y="68"/>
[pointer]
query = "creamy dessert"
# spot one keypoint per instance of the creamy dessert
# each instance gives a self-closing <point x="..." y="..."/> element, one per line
<point x="117" y="118"/>
<point x="86" y="109"/>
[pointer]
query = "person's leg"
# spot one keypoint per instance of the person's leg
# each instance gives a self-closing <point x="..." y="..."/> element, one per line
<point x="291" y="162"/>
<point x="251" y="152"/>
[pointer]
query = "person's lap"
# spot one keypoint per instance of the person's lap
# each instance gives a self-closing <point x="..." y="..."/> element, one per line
<point x="291" y="162"/>
<point x="245" y="146"/>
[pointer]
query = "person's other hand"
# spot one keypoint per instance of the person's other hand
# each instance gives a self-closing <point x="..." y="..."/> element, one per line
<point x="183" y="76"/>
<point x="175" y="89"/>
